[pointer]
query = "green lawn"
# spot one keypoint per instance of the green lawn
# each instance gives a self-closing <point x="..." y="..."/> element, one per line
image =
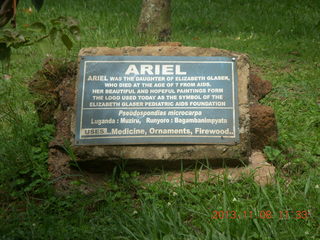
<point x="282" y="39"/>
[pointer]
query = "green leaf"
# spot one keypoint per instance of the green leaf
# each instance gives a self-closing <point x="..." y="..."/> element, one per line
<point x="66" y="41"/>
<point x="306" y="188"/>
<point x="55" y="21"/>
<point x="53" y="34"/>
<point x="44" y="45"/>
<point x="20" y="181"/>
<point x="58" y="21"/>
<point x="38" y="26"/>
<point x="37" y="4"/>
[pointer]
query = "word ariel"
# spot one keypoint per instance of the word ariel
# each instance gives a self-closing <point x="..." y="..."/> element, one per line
<point x="148" y="69"/>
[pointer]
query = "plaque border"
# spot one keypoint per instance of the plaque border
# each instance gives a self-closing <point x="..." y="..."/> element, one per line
<point x="213" y="59"/>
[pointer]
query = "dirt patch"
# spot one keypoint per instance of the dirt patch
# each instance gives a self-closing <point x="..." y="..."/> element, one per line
<point x="54" y="87"/>
<point x="263" y="127"/>
<point x="259" y="88"/>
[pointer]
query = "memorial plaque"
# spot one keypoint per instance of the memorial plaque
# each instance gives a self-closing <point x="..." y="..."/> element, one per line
<point x="125" y="100"/>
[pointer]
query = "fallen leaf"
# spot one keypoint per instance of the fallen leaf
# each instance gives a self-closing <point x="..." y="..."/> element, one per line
<point x="27" y="10"/>
<point x="295" y="53"/>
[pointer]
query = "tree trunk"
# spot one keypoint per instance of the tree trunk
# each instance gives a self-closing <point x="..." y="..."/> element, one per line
<point x="155" y="19"/>
<point x="7" y="11"/>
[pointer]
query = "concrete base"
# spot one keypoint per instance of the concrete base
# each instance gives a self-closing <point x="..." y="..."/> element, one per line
<point x="171" y="155"/>
<point x="257" y="123"/>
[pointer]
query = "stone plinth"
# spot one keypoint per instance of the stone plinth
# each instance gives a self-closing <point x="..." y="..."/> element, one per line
<point x="56" y="86"/>
<point x="140" y="156"/>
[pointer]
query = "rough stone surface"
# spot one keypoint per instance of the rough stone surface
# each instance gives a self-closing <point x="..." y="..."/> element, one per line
<point x="170" y="156"/>
<point x="258" y="169"/>
<point x="261" y="171"/>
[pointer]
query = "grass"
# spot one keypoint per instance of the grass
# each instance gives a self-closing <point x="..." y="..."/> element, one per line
<point x="163" y="211"/>
<point x="282" y="39"/>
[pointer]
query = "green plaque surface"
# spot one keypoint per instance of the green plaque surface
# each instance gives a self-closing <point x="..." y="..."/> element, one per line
<point x="125" y="100"/>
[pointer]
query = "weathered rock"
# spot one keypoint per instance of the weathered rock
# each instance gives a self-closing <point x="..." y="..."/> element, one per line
<point x="261" y="171"/>
<point x="258" y="169"/>
<point x="173" y="44"/>
<point x="170" y="156"/>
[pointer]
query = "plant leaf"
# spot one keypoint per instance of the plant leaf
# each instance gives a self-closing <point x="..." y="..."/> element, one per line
<point x="66" y="41"/>
<point x="44" y="45"/>
<point x="53" y="34"/>
<point x="38" y="26"/>
<point x="37" y="4"/>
